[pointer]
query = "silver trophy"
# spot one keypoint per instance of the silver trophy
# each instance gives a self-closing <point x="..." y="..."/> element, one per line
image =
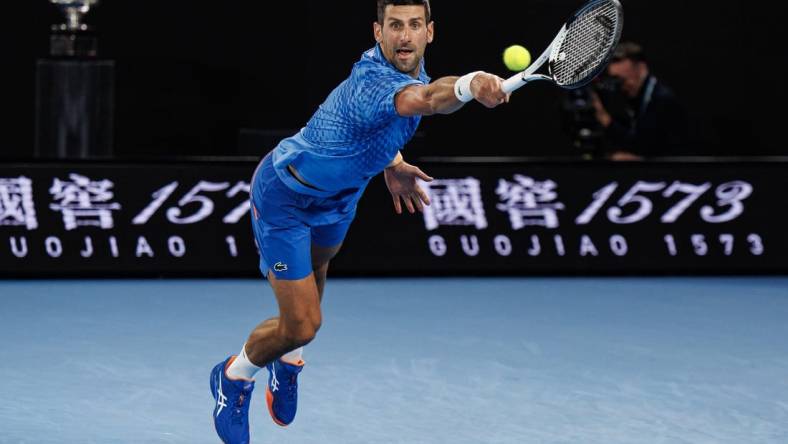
<point x="73" y="38"/>
<point x="74" y="10"/>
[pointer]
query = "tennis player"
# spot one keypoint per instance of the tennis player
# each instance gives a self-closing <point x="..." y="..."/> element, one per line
<point x="304" y="197"/>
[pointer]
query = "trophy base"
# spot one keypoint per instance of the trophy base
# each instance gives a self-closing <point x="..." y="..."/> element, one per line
<point x="78" y="43"/>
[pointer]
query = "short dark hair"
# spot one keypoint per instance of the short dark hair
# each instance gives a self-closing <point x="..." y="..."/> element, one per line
<point x="629" y="51"/>
<point x="383" y="3"/>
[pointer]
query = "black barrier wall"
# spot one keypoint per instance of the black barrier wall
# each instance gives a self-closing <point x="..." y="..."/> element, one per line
<point x="189" y="77"/>
<point x="192" y="219"/>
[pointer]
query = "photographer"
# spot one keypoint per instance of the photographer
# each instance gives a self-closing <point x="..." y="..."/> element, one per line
<point x="649" y="120"/>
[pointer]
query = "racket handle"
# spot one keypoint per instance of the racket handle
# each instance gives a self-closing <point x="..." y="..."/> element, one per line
<point x="512" y="83"/>
<point x="519" y="80"/>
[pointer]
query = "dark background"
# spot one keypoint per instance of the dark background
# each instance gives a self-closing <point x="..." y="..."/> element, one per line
<point x="231" y="77"/>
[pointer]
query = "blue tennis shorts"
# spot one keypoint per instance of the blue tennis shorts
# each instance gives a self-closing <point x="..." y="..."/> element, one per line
<point x="286" y="222"/>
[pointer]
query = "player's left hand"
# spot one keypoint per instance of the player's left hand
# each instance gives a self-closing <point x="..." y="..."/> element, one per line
<point x="401" y="181"/>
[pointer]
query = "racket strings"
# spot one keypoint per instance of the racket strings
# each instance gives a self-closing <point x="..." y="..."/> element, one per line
<point x="587" y="43"/>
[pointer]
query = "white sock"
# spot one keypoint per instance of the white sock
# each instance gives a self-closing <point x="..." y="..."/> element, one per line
<point x="242" y="367"/>
<point x="294" y="357"/>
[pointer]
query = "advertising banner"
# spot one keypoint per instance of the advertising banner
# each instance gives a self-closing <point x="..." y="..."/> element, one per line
<point x="192" y="219"/>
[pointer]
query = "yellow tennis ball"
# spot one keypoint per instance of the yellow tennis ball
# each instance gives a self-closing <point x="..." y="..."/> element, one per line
<point x="516" y="58"/>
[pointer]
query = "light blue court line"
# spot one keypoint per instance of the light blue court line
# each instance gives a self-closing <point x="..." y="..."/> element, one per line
<point x="411" y="361"/>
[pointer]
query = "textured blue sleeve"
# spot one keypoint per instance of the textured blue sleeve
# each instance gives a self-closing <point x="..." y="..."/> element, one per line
<point x="380" y="87"/>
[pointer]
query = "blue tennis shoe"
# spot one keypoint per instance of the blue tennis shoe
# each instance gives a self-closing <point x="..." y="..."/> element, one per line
<point x="281" y="394"/>
<point x="231" y="411"/>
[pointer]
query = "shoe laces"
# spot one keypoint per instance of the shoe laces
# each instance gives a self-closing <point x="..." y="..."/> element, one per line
<point x="292" y="388"/>
<point x="292" y="382"/>
<point x="238" y="413"/>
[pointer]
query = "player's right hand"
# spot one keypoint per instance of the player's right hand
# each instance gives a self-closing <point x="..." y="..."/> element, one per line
<point x="488" y="90"/>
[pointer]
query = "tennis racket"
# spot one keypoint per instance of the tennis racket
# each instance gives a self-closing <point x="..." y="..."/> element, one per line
<point x="580" y="51"/>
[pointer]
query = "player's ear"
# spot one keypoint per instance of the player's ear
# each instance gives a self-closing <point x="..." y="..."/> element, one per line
<point x="430" y="31"/>
<point x="378" y="31"/>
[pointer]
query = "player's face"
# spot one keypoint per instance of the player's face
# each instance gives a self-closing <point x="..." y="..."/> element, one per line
<point x="630" y="73"/>
<point x="404" y="35"/>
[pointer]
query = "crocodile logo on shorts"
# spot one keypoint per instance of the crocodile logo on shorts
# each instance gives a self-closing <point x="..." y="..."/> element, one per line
<point x="280" y="267"/>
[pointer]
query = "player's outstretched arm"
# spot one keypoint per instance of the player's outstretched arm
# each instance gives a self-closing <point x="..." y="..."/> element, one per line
<point x="443" y="95"/>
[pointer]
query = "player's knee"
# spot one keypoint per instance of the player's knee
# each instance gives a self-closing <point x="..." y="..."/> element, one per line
<point x="301" y="337"/>
<point x="301" y="333"/>
<point x="316" y="324"/>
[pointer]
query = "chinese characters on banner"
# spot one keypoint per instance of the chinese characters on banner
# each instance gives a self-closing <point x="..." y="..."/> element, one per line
<point x="83" y="201"/>
<point x="16" y="203"/>
<point x="531" y="202"/>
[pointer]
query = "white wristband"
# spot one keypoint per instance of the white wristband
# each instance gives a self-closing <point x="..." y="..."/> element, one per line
<point x="462" y="87"/>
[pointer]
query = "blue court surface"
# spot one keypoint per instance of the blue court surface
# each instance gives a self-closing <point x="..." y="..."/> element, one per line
<point x="532" y="360"/>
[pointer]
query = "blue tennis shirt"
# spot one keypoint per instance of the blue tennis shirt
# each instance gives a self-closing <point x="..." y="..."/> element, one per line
<point x="354" y="134"/>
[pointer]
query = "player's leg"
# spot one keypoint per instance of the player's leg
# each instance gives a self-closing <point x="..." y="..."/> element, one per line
<point x="326" y="242"/>
<point x="285" y="245"/>
<point x="288" y="250"/>
<point x="321" y="256"/>
<point x="299" y="299"/>
<point x="299" y="319"/>
<point x="284" y="241"/>
<point x="299" y="311"/>
<point x="297" y="324"/>
<point x="298" y="328"/>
